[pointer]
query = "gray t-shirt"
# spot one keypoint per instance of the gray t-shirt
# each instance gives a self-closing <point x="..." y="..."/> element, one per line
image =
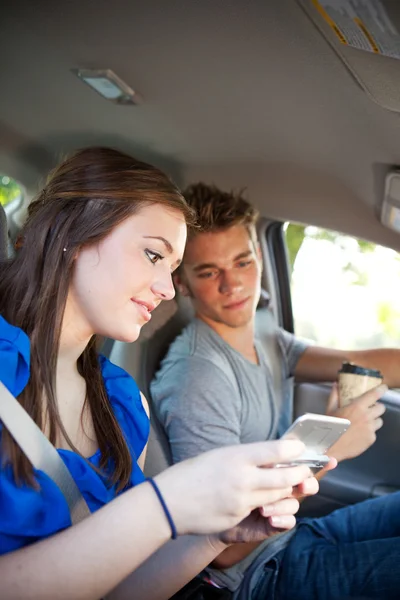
<point x="207" y="395"/>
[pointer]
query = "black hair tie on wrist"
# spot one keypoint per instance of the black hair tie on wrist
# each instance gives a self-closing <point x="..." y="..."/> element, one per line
<point x="174" y="533"/>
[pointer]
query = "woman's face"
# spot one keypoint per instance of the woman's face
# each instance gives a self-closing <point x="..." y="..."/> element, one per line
<point x="119" y="281"/>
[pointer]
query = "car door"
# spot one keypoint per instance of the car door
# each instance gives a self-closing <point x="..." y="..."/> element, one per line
<point x="297" y="257"/>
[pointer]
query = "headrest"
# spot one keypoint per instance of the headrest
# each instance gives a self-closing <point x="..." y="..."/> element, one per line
<point x="167" y="322"/>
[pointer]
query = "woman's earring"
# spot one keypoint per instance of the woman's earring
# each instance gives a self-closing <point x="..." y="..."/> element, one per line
<point x="64" y="249"/>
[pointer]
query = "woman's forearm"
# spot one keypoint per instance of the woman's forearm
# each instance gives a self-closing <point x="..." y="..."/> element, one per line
<point x="86" y="561"/>
<point x="173" y="565"/>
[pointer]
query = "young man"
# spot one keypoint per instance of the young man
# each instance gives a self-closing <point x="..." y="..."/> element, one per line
<point x="215" y="388"/>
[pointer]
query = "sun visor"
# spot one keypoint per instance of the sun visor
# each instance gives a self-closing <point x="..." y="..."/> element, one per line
<point x="366" y="36"/>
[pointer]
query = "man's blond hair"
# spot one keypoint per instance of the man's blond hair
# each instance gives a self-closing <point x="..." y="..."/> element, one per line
<point x="217" y="210"/>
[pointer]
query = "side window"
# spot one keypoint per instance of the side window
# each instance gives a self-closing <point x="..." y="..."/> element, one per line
<point x="345" y="291"/>
<point x="10" y="192"/>
<point x="11" y="197"/>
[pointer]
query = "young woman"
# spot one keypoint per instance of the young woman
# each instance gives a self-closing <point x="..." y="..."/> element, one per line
<point x="95" y="258"/>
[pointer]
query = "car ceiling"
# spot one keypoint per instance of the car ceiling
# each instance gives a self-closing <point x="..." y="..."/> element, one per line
<point x="242" y="94"/>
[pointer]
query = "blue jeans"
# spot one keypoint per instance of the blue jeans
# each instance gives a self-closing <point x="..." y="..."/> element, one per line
<point x="352" y="553"/>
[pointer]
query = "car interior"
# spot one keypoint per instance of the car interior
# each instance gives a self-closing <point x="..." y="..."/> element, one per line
<point x="267" y="97"/>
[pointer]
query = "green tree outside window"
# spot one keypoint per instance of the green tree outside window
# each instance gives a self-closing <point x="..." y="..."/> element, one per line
<point x="9" y="190"/>
<point x="344" y="290"/>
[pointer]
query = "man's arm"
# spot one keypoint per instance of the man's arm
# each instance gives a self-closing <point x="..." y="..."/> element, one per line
<point x="365" y="413"/>
<point x="316" y="364"/>
<point x="322" y="364"/>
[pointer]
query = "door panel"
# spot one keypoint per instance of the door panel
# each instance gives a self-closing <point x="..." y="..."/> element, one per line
<point x="374" y="473"/>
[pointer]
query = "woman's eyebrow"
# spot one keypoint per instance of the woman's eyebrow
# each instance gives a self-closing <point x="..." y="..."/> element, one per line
<point x="165" y="242"/>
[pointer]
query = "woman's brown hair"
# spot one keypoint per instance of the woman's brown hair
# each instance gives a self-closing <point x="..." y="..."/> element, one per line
<point x="85" y="197"/>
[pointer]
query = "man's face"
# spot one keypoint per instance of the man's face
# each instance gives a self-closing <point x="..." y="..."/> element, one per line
<point x="221" y="272"/>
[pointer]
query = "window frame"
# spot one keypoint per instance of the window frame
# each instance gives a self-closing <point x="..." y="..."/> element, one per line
<point x="276" y="274"/>
<point x="279" y="256"/>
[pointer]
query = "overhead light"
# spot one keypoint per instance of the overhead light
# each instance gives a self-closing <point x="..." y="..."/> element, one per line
<point x="108" y="85"/>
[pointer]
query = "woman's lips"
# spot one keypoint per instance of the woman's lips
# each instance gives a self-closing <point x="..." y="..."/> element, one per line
<point x="237" y="305"/>
<point x="144" y="309"/>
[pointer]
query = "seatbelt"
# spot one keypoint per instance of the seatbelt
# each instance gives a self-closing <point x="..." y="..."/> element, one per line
<point x="107" y="347"/>
<point x="267" y="333"/>
<point x="41" y="453"/>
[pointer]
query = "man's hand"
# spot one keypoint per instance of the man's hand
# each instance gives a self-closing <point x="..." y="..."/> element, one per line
<point x="256" y="527"/>
<point x="262" y="523"/>
<point x="274" y="518"/>
<point x="265" y="521"/>
<point x="365" y="415"/>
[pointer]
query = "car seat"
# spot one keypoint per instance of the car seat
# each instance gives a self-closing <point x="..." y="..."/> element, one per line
<point x="142" y="359"/>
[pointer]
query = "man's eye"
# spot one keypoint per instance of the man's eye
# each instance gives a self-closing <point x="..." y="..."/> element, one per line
<point x="244" y="263"/>
<point x="206" y="275"/>
<point x="153" y="256"/>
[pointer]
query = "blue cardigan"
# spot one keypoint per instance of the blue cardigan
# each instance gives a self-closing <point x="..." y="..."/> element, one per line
<point x="28" y="515"/>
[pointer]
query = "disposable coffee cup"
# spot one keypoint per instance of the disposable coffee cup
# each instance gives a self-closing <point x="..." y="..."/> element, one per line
<point x="355" y="381"/>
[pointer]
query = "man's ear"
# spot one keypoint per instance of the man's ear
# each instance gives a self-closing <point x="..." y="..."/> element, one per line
<point x="180" y="284"/>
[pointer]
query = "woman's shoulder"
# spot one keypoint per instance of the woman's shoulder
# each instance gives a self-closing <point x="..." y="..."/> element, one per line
<point x="126" y="400"/>
<point x="118" y="382"/>
<point x="14" y="357"/>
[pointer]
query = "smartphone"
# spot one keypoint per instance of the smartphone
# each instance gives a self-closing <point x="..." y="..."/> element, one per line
<point x="318" y="433"/>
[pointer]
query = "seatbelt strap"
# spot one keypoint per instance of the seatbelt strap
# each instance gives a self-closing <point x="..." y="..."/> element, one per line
<point x="107" y="347"/>
<point x="41" y="453"/>
<point x="267" y="332"/>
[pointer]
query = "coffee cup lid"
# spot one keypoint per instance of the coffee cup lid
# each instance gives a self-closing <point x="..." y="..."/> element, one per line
<point x="357" y="370"/>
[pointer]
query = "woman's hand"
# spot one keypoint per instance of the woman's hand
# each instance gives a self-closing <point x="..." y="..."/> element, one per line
<point x="219" y="489"/>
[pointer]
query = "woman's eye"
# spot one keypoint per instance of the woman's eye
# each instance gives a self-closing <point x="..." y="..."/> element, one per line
<point x="153" y="256"/>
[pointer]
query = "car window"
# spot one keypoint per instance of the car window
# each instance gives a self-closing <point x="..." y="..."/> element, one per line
<point x="345" y="291"/>
<point x="10" y="192"/>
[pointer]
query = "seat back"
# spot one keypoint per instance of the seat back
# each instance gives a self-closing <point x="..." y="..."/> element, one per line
<point x="142" y="360"/>
<point x="3" y="234"/>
